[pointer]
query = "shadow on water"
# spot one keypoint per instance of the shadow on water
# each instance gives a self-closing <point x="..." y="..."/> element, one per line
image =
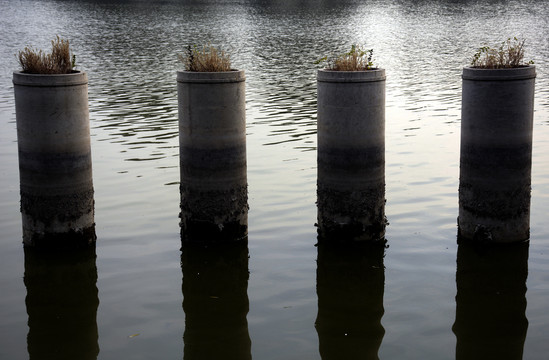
<point x="215" y="301"/>
<point x="491" y="301"/>
<point x="350" y="286"/>
<point x="62" y="301"/>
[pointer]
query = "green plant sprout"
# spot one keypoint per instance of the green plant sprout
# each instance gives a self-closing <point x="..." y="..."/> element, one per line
<point x="510" y="54"/>
<point x="357" y="59"/>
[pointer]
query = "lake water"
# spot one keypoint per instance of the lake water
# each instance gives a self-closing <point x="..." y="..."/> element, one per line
<point x="400" y="305"/>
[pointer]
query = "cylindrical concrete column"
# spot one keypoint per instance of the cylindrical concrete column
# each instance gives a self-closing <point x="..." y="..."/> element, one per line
<point x="61" y="304"/>
<point x="53" y="135"/>
<point x="215" y="301"/>
<point x="491" y="318"/>
<point x="496" y="154"/>
<point x="212" y="150"/>
<point x="350" y="286"/>
<point x="351" y="155"/>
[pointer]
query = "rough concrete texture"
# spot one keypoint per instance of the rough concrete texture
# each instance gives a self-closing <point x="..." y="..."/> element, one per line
<point x="212" y="139"/>
<point x="214" y="216"/>
<point x="351" y="156"/>
<point x="57" y="199"/>
<point x="55" y="164"/>
<point x="496" y="154"/>
<point x="57" y="220"/>
<point x="214" y="195"/>
<point x="351" y="215"/>
<point x="491" y="303"/>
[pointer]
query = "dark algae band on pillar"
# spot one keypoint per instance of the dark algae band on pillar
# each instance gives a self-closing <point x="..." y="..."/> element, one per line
<point x="496" y="154"/>
<point x="55" y="165"/>
<point x="351" y="155"/>
<point x="212" y="149"/>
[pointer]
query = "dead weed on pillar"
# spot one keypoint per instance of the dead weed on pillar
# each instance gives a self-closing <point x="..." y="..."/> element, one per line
<point x="207" y="59"/>
<point x="59" y="61"/>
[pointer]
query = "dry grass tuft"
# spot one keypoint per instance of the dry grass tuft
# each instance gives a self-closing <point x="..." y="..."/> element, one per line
<point x="207" y="59"/>
<point x="57" y="62"/>
<point x="510" y="54"/>
<point x="357" y="59"/>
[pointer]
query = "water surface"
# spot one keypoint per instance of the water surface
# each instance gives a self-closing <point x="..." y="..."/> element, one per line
<point x="129" y="50"/>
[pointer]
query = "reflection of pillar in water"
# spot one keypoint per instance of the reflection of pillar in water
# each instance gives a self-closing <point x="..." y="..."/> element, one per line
<point x="496" y="154"/>
<point x="212" y="150"/>
<point x="215" y="301"/>
<point x="491" y="302"/>
<point x="61" y="304"/>
<point x="53" y="136"/>
<point x="351" y="155"/>
<point x="350" y="285"/>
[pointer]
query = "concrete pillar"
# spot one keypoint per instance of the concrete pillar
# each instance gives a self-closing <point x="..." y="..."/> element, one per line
<point x="215" y="301"/>
<point x="53" y="135"/>
<point x="491" y="301"/>
<point x="350" y="287"/>
<point x="61" y="304"/>
<point x="212" y="150"/>
<point x="496" y="154"/>
<point x="351" y="155"/>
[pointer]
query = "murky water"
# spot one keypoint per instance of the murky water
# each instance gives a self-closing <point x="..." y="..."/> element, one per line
<point x="402" y="304"/>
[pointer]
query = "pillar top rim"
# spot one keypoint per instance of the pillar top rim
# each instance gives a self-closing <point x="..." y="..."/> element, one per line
<point x="517" y="73"/>
<point x="211" y="77"/>
<point x="373" y="75"/>
<point x="41" y="80"/>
